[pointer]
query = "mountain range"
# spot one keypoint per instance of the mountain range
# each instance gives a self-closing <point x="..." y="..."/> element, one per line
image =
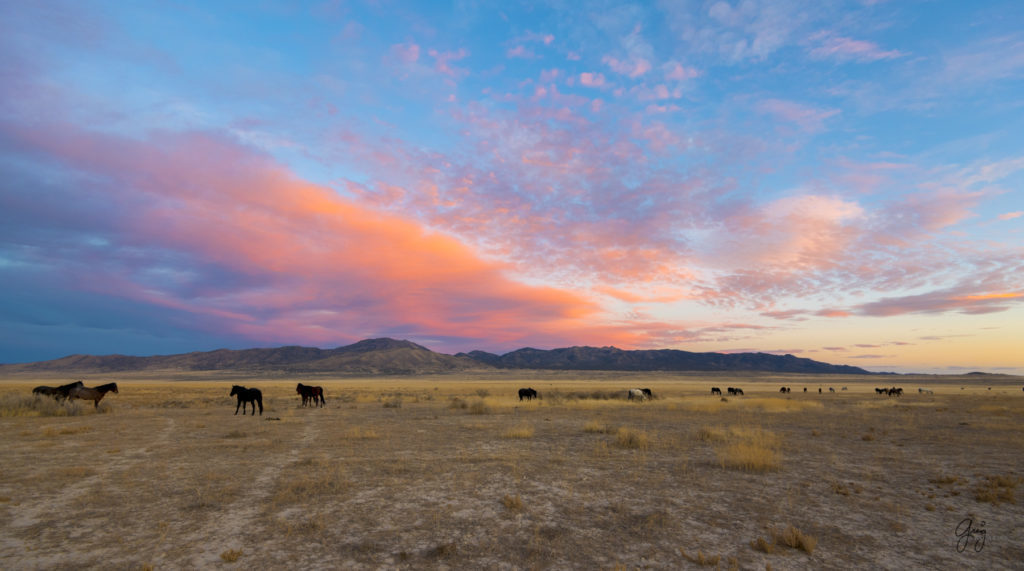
<point x="390" y="356"/>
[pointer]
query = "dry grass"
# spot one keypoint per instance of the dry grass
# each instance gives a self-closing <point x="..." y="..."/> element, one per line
<point x="520" y="431"/>
<point x="513" y="503"/>
<point x="631" y="438"/>
<point x="745" y="448"/>
<point x="796" y="539"/>
<point x="463" y="475"/>
<point x="997" y="489"/>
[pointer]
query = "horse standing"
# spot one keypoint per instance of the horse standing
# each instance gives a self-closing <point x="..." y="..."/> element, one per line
<point x="311" y="393"/>
<point x="716" y="391"/>
<point x="245" y="395"/>
<point x="59" y="393"/>
<point x="527" y="394"/>
<point x="637" y="394"/>
<point x="95" y="394"/>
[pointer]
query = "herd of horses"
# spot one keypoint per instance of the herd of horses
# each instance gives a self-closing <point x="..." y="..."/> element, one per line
<point x="76" y="390"/>
<point x="314" y="395"/>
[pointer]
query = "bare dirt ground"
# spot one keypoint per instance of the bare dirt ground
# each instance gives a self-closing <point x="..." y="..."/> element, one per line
<point x="456" y="473"/>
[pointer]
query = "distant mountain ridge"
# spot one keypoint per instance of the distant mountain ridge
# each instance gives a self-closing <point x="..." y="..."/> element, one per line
<point x="614" y="359"/>
<point x="390" y="356"/>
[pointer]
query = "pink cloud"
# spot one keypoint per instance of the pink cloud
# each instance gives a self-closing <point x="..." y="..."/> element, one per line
<point x="809" y="119"/>
<point x="1011" y="215"/>
<point x="942" y="301"/>
<point x="406" y="53"/>
<point x="520" y="52"/>
<point x="832" y="46"/>
<point x="591" y="79"/>
<point x="633" y="68"/>
<point x="674" y="71"/>
<point x="305" y="264"/>
<point x="442" y="62"/>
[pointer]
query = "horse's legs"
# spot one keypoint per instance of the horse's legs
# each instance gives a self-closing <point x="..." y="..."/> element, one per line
<point x="238" y="405"/>
<point x="259" y="400"/>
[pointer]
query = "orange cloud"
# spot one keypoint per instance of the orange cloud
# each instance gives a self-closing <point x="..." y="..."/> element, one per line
<point x="258" y="252"/>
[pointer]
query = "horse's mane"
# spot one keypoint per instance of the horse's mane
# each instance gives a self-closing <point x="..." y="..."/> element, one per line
<point x="107" y="387"/>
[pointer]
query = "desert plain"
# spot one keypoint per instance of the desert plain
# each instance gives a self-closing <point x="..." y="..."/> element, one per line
<point x="455" y="472"/>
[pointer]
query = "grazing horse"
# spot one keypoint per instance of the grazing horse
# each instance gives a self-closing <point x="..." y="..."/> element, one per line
<point x="716" y="391"/>
<point x="735" y="391"/>
<point x="636" y="394"/>
<point x="245" y="395"/>
<point x="831" y="389"/>
<point x="879" y="391"/>
<point x="527" y="394"/>
<point x="896" y="391"/>
<point x="785" y="390"/>
<point x="925" y="391"/>
<point x="59" y="393"/>
<point x="310" y="393"/>
<point x="95" y="394"/>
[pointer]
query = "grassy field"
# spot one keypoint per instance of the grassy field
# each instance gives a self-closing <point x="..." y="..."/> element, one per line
<point x="455" y="472"/>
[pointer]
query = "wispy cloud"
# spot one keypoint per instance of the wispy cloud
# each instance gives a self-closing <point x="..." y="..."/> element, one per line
<point x="809" y="119"/>
<point x="828" y="45"/>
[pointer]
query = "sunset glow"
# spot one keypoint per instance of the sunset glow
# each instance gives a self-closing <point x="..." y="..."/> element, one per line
<point x="840" y="181"/>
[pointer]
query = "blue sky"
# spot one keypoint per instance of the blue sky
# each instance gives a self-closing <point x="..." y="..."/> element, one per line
<point x="836" y="180"/>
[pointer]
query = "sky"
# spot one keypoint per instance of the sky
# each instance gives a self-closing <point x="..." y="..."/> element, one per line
<point x="837" y="180"/>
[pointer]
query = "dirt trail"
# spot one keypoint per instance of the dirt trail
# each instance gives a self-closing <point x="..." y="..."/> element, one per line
<point x="225" y="529"/>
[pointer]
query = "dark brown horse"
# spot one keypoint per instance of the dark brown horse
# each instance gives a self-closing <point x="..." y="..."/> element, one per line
<point x="245" y="395"/>
<point x="59" y="393"/>
<point x="95" y="394"/>
<point x="310" y="393"/>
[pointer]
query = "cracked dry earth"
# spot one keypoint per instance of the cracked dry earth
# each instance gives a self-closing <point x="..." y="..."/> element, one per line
<point x="455" y="473"/>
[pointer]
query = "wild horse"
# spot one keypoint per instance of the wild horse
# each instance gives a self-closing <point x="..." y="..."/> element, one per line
<point x="95" y="394"/>
<point x="307" y="392"/>
<point x="60" y="393"/>
<point x="245" y="395"/>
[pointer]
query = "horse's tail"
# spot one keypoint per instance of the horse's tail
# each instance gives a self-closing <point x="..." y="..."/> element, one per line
<point x="322" y="401"/>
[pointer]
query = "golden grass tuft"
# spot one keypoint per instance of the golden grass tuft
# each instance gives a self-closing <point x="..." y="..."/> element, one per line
<point x="796" y="539"/>
<point x="762" y="544"/>
<point x="701" y="559"/>
<point x="748" y="449"/>
<point x="630" y="438"/>
<point x="519" y="431"/>
<point x="997" y="489"/>
<point x="513" y="503"/>
<point x="598" y="427"/>
<point x="15" y="404"/>
<point x="231" y="555"/>
<point x="763" y="404"/>
<point x="790" y="537"/>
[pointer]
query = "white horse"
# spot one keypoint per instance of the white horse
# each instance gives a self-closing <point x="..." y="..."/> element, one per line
<point x="637" y="394"/>
<point x="925" y="391"/>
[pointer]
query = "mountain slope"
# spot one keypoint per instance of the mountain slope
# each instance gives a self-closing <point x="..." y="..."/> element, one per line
<point x="390" y="356"/>
<point x="614" y="359"/>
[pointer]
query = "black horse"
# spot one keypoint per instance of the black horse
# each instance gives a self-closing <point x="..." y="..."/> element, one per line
<point x="60" y="393"/>
<point x="527" y="394"/>
<point x="310" y="393"/>
<point x="245" y="395"/>
<point x="716" y="391"/>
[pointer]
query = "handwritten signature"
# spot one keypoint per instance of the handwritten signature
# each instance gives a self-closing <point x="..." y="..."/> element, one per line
<point x="966" y="533"/>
